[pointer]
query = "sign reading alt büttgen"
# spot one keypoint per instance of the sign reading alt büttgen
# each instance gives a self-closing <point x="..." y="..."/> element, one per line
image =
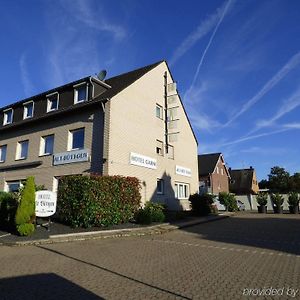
<point x="183" y="171"/>
<point x="142" y="161"/>
<point x="70" y="157"/>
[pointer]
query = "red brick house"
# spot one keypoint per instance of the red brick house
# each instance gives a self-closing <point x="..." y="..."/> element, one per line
<point x="213" y="174"/>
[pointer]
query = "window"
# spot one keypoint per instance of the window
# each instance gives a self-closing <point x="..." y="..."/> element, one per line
<point x="8" y="116"/>
<point x="160" y="187"/>
<point x="159" y="147"/>
<point x="217" y="170"/>
<point x="222" y="172"/>
<point x="22" y="150"/>
<point x="52" y="102"/>
<point x="3" y="150"/>
<point x="28" y="110"/>
<point x="47" y="145"/>
<point x="170" y="152"/>
<point x="13" y="186"/>
<point x="182" y="190"/>
<point x="80" y="93"/>
<point x="172" y="113"/>
<point x="76" y="140"/>
<point x="159" y="111"/>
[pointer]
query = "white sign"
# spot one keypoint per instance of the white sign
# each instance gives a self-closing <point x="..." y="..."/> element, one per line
<point x="183" y="171"/>
<point x="70" y="157"/>
<point x="45" y="203"/>
<point x="142" y="161"/>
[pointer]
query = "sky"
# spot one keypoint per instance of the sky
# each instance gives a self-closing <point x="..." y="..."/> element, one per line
<point x="236" y="63"/>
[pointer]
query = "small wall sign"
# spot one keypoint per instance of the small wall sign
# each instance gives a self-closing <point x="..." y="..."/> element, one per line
<point x="183" y="171"/>
<point x="142" y="161"/>
<point x="70" y="157"/>
<point x="45" y="203"/>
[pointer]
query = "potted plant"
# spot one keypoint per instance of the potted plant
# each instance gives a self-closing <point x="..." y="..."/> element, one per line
<point x="293" y="202"/>
<point x="277" y="201"/>
<point x="262" y="200"/>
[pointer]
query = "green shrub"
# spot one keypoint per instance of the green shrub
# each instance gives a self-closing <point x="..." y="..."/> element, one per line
<point x="293" y="199"/>
<point x="85" y="201"/>
<point x="262" y="199"/>
<point x="277" y="199"/>
<point x="143" y="216"/>
<point x="202" y="204"/>
<point x="152" y="212"/>
<point x="26" y="209"/>
<point x="228" y="200"/>
<point x="25" y="229"/>
<point x="8" y="207"/>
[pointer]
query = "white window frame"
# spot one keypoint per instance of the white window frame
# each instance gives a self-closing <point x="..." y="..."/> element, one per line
<point x="49" y="98"/>
<point x="78" y="86"/>
<point x="70" y="139"/>
<point x="43" y="144"/>
<point x="6" y="184"/>
<point x="19" y="150"/>
<point x="25" y="109"/>
<point x="5" y="114"/>
<point x="1" y="151"/>
<point x="222" y="171"/>
<point x="217" y="170"/>
<point x="181" y="186"/>
<point x="161" y="111"/>
<point x="162" y="185"/>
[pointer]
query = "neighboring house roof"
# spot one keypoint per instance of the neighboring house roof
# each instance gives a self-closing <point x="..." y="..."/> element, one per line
<point x="207" y="163"/>
<point x="241" y="181"/>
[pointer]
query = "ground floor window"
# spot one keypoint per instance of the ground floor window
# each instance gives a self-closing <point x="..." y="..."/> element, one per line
<point x="13" y="186"/>
<point x="160" y="187"/>
<point x="182" y="190"/>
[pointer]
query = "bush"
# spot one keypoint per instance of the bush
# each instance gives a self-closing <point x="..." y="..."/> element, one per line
<point x="85" y="201"/>
<point x="228" y="200"/>
<point x="262" y="199"/>
<point x="152" y="212"/>
<point x="277" y="199"/>
<point x="202" y="204"/>
<point x="26" y="209"/>
<point x="293" y="199"/>
<point x="8" y="207"/>
<point x="143" y="216"/>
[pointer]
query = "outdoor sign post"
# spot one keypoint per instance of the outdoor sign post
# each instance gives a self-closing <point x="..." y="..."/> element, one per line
<point x="45" y="204"/>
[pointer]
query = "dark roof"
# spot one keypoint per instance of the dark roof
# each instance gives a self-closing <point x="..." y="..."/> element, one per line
<point x="121" y="82"/>
<point x="207" y="163"/>
<point x="241" y="181"/>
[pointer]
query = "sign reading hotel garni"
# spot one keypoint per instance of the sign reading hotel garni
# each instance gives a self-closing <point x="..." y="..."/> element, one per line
<point x="70" y="157"/>
<point x="183" y="171"/>
<point x="45" y="203"/>
<point x="142" y="161"/>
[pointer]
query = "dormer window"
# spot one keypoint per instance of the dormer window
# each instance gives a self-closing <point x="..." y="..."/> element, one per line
<point x="52" y="102"/>
<point x="80" y="93"/>
<point x="28" y="110"/>
<point x="8" y="116"/>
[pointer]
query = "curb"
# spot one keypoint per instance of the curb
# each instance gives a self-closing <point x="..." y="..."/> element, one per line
<point x="117" y="233"/>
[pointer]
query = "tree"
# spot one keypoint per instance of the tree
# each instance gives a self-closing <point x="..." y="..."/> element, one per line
<point x="279" y="180"/>
<point x="295" y="183"/>
<point x="26" y="210"/>
<point x="263" y="184"/>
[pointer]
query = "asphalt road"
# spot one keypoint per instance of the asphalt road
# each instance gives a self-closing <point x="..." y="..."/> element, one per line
<point x="243" y="257"/>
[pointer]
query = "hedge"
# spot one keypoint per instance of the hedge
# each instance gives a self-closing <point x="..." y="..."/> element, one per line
<point x="8" y="207"/>
<point x="85" y="201"/>
<point x="202" y="205"/>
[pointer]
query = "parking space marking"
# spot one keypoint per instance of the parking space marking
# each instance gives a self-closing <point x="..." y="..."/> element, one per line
<point x="224" y="248"/>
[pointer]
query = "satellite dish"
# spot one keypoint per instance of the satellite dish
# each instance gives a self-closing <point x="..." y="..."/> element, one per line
<point x="101" y="75"/>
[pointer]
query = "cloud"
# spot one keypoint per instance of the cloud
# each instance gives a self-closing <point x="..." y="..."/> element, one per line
<point x="289" y="66"/>
<point x="292" y="126"/>
<point x="201" y="31"/>
<point x="25" y="77"/>
<point x="287" y="106"/>
<point x="252" y="137"/>
<point x="88" y="13"/>
<point x="264" y="150"/>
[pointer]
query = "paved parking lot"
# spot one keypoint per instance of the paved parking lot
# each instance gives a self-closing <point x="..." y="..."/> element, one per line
<point x="248" y="254"/>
